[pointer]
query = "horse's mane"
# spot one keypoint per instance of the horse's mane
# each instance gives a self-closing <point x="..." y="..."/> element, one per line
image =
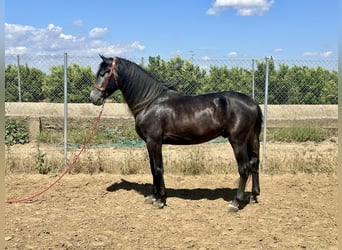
<point x="139" y="87"/>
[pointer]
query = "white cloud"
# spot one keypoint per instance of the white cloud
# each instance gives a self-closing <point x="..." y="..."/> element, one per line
<point x="53" y="29"/>
<point x="17" y="29"/>
<point x="278" y="50"/>
<point x="97" y="32"/>
<point x="16" y="50"/>
<point x="24" y="39"/>
<point x="69" y="37"/>
<point x="242" y="7"/>
<point x="14" y="32"/>
<point x="324" y="54"/>
<point x="137" y="46"/>
<point x="37" y="40"/>
<point x="310" y="53"/>
<point x="78" y="23"/>
<point x="212" y="12"/>
<point x="102" y="47"/>
<point x="232" y="54"/>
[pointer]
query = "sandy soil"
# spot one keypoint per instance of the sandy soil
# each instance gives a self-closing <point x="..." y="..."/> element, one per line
<point x="106" y="211"/>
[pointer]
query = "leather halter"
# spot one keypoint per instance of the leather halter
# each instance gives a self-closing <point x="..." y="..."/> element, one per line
<point x="105" y="85"/>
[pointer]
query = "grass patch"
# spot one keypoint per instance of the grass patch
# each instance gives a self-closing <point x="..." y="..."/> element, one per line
<point x="78" y="136"/>
<point x="298" y="134"/>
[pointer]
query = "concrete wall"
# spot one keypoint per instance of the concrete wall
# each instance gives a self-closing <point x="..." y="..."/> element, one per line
<point x="51" y="115"/>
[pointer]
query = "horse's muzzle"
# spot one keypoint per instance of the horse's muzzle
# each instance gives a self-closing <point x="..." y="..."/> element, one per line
<point x="96" y="97"/>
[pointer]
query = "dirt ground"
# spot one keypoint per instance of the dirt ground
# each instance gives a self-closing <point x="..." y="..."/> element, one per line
<point x="297" y="208"/>
<point x="106" y="211"/>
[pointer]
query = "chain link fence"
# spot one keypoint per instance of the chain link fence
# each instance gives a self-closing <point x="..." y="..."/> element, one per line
<point x="30" y="78"/>
<point x="35" y="78"/>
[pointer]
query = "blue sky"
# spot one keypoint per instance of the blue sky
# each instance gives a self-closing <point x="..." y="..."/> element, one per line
<point x="203" y="29"/>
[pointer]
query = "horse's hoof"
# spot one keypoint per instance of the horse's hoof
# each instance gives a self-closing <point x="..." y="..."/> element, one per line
<point x="252" y="199"/>
<point x="233" y="208"/>
<point x="150" y="199"/>
<point x="158" y="204"/>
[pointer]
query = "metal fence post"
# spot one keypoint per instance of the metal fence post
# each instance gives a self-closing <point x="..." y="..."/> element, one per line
<point x="65" y="109"/>
<point x="19" y="78"/>
<point x="253" y="81"/>
<point x="263" y="165"/>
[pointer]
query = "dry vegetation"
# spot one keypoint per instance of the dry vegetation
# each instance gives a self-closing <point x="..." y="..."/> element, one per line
<point x="209" y="158"/>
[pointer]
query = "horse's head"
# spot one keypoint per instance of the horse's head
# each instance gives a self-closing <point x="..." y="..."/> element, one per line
<point x="106" y="81"/>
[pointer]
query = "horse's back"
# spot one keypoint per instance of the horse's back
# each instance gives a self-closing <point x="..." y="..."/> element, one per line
<point x="242" y="104"/>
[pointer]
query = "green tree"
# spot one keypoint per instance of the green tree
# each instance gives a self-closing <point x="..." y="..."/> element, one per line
<point x="186" y="76"/>
<point x="11" y="84"/>
<point x="304" y="85"/>
<point x="328" y="85"/>
<point x="330" y="89"/>
<point x="260" y="78"/>
<point x="302" y="89"/>
<point x="31" y="80"/>
<point x="53" y="84"/>
<point x="157" y="67"/>
<point x="80" y="81"/>
<point x="220" y="78"/>
<point x="280" y="86"/>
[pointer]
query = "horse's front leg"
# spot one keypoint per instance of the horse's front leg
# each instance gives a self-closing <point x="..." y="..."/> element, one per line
<point x="158" y="196"/>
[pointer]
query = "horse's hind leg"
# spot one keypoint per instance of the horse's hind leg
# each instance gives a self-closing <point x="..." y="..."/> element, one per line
<point x="254" y="161"/>
<point x="241" y="156"/>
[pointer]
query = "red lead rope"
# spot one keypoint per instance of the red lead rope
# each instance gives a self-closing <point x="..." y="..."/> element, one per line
<point x="31" y="197"/>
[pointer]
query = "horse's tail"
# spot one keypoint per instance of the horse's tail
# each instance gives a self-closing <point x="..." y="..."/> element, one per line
<point x="255" y="144"/>
<point x="254" y="158"/>
<point x="258" y="123"/>
<point x="255" y="139"/>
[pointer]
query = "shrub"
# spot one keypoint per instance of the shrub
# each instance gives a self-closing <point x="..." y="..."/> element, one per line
<point x="42" y="162"/>
<point x="16" y="132"/>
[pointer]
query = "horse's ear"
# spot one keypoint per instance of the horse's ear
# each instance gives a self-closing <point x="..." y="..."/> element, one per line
<point x="106" y="60"/>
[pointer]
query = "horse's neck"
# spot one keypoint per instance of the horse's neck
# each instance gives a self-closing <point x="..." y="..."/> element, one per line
<point x="139" y="89"/>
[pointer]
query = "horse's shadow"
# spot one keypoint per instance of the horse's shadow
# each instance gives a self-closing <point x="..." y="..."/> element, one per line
<point x="226" y="194"/>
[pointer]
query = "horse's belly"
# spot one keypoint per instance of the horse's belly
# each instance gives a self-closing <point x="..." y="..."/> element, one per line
<point x="190" y="137"/>
<point x="193" y="129"/>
